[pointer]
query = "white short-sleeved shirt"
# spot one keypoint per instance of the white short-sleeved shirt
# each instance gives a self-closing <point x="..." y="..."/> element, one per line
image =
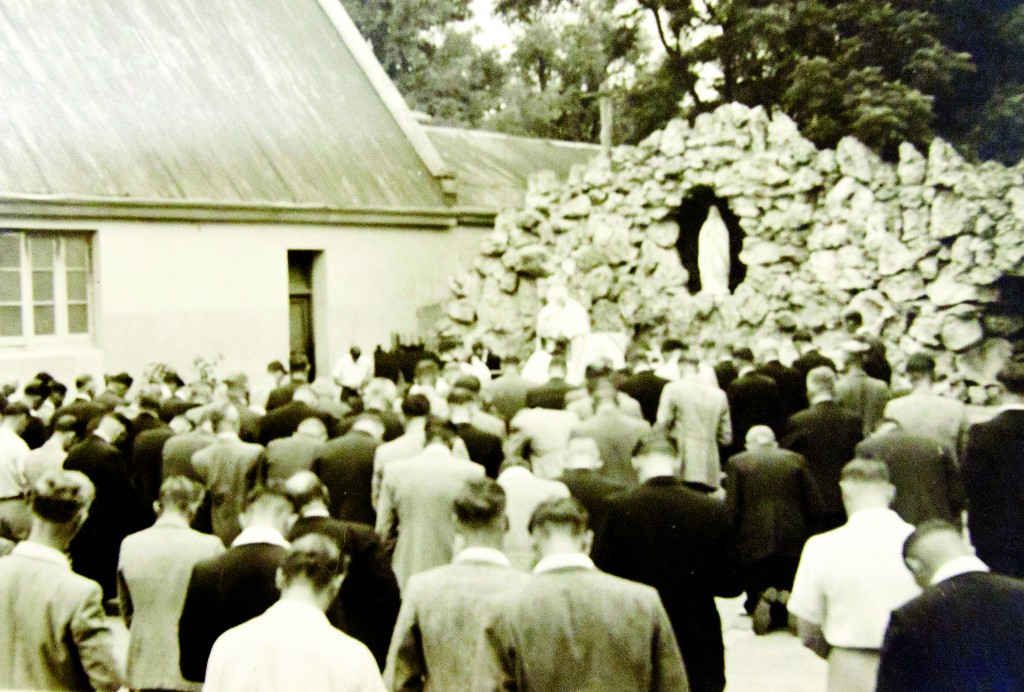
<point x="292" y="646"/>
<point x="850" y="579"/>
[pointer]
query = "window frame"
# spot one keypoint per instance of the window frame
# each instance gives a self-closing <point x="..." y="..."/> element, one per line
<point x="60" y="301"/>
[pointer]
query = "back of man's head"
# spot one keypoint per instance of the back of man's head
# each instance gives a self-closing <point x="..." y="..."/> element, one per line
<point x="371" y="423"/>
<point x="268" y="506"/>
<point x="459" y="397"/>
<point x="181" y="495"/>
<point x="314" y="559"/>
<point x="439" y="430"/>
<point x="932" y="544"/>
<point x="312" y="428"/>
<point x="62" y="497"/>
<point x="427" y="370"/>
<point x="298" y="365"/>
<point x="415" y="406"/>
<point x="920" y="366"/>
<point x="865" y="485"/>
<point x="305" y="488"/>
<point x="760" y="437"/>
<point x="821" y="383"/>
<point x="150" y="403"/>
<point x="480" y="506"/>
<point x="656" y="455"/>
<point x="564" y="515"/>
<point x="743" y="356"/>
<point x="471" y="383"/>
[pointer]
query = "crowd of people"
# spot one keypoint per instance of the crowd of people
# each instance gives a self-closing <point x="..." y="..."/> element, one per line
<point x="474" y="529"/>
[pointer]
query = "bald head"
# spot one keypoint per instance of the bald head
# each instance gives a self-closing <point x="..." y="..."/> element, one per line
<point x="932" y="544"/>
<point x="312" y="427"/>
<point x="760" y="437"/>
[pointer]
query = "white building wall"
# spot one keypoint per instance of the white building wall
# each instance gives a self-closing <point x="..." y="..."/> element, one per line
<point x="170" y="292"/>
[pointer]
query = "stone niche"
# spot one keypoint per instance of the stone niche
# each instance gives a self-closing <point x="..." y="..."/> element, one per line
<point x="930" y="249"/>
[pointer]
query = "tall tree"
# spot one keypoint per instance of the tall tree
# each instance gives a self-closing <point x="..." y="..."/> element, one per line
<point x="564" y="60"/>
<point x="870" y="68"/>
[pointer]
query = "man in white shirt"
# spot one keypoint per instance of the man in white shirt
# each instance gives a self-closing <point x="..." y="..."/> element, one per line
<point x="15" y="517"/>
<point x="851" y="578"/>
<point x="445" y="609"/>
<point x="353" y="370"/>
<point x="292" y="646"/>
<point x="525" y="492"/>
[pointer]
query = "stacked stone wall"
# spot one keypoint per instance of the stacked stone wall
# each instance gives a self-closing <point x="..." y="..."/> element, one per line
<point x="919" y="247"/>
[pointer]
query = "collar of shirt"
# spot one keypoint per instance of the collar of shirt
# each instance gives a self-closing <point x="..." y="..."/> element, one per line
<point x="563" y="561"/>
<point x="958" y="566"/>
<point x="1012" y="407"/>
<point x="437" y="448"/>
<point x="514" y="472"/>
<point x="102" y="435"/>
<point x="298" y="609"/>
<point x="38" y="551"/>
<point x="171" y="520"/>
<point x="316" y="512"/>
<point x="260" y="534"/>
<point x="873" y="514"/>
<point x="482" y="554"/>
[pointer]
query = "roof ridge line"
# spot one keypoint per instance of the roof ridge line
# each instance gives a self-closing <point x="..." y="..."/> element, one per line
<point x="389" y="94"/>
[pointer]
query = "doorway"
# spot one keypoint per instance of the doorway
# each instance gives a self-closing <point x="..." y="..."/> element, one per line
<point x="300" y="305"/>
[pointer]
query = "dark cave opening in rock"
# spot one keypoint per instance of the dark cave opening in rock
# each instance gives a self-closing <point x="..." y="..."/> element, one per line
<point x="691" y="217"/>
<point x="1005" y="317"/>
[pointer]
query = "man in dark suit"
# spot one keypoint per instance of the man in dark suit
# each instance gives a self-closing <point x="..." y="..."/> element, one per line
<point x="552" y="393"/>
<point x="367" y="604"/>
<point x="346" y="468"/>
<point x="83" y="411"/>
<point x="792" y="386"/>
<point x="925" y="474"/>
<point x="754" y="399"/>
<point x="963" y="632"/>
<point x="771" y="499"/>
<point x="809" y="358"/>
<point x="114" y="513"/>
<point x="826" y="435"/>
<point x="643" y="385"/>
<point x="583" y="477"/>
<point x="483" y="447"/>
<point x="238" y="585"/>
<point x="681" y="543"/>
<point x="993" y="470"/>
<point x="117" y="388"/>
<point x="284" y="420"/>
<point x="35" y="431"/>
<point x="298" y="376"/>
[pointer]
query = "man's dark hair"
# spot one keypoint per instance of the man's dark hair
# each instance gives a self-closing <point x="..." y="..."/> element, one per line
<point x="36" y="388"/>
<point x="672" y="345"/>
<point x="865" y="471"/>
<point x="440" y="430"/>
<point x="44" y="377"/>
<point x="59" y="496"/>
<point x="315" y="558"/>
<point x="58" y="388"/>
<point x="743" y="355"/>
<point x="276" y="366"/>
<point x="924" y="529"/>
<point x="172" y="379"/>
<point x="480" y="504"/>
<point x="66" y="423"/>
<point x="82" y="380"/>
<point x="921" y="364"/>
<point x="803" y="336"/>
<point x="16" y="408"/>
<point x="469" y="382"/>
<point x="460" y="397"/>
<point x="1012" y="377"/>
<point x="565" y="512"/>
<point x="122" y="378"/>
<point x="148" y="402"/>
<point x="509" y="361"/>
<point x="427" y="366"/>
<point x="416" y="406"/>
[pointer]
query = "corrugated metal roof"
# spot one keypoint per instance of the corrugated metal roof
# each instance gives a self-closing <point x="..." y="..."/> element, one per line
<point x="217" y="100"/>
<point x="491" y="169"/>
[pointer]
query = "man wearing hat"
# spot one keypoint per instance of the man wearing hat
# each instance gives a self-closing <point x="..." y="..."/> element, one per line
<point x="993" y="471"/>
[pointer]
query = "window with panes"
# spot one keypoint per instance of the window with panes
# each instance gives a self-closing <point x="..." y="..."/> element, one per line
<point x="45" y="286"/>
